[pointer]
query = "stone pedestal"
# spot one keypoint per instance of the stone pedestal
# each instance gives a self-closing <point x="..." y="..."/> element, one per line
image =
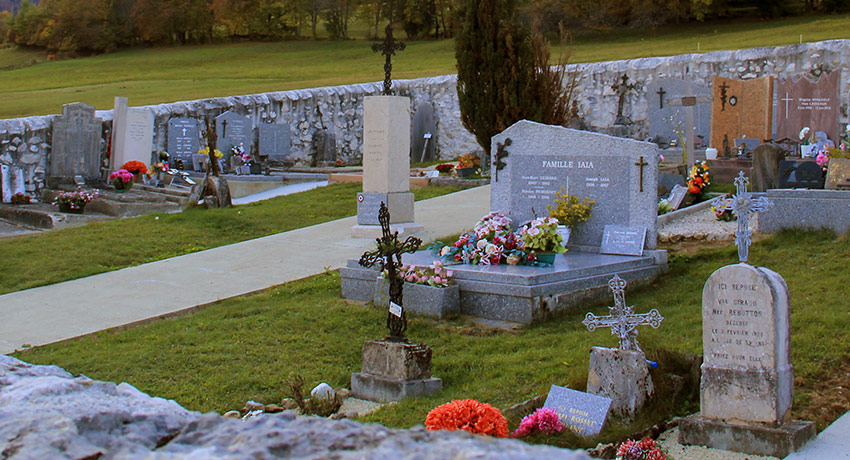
<point x="747" y="384"/>
<point x="621" y="375"/>
<point x="386" y="166"/>
<point x="392" y="371"/>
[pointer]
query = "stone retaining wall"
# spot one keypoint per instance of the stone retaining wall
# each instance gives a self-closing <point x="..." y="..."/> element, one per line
<point x="341" y="106"/>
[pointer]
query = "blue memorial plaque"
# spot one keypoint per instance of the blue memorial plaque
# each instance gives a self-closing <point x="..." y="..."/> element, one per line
<point x="623" y="240"/>
<point x="583" y="413"/>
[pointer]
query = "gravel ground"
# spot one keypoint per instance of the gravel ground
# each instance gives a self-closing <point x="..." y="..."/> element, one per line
<point x="700" y="226"/>
<point x="669" y="443"/>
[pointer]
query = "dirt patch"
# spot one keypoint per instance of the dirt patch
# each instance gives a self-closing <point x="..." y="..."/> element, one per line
<point x="826" y="399"/>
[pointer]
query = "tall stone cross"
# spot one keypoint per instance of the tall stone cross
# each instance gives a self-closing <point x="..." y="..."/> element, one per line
<point x="623" y="321"/>
<point x="622" y="88"/>
<point x="742" y="205"/>
<point x="388" y="48"/>
<point x="388" y="257"/>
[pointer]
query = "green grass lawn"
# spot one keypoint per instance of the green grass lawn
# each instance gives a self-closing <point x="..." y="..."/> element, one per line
<point x="244" y="348"/>
<point x="158" y="75"/>
<point x="61" y="255"/>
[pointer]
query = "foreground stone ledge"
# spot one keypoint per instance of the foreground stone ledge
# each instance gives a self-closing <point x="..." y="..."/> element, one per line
<point x="749" y="438"/>
<point x="45" y="412"/>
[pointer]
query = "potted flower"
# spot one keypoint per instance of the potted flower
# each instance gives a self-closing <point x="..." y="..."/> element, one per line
<point x="698" y="181"/>
<point x="122" y="180"/>
<point x="428" y="290"/>
<point x="445" y="169"/>
<point x="75" y="202"/>
<point x="157" y="169"/>
<point x="808" y="146"/>
<point x="541" y="236"/>
<point x="21" y="198"/>
<point x="569" y="210"/>
<point x="467" y="165"/>
<point x="136" y="168"/>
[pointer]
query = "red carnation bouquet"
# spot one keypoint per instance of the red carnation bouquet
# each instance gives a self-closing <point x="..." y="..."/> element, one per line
<point x="469" y="415"/>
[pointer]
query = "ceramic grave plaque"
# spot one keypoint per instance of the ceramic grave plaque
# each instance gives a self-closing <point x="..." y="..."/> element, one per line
<point x="274" y="141"/>
<point x="623" y="240"/>
<point x="740" y="108"/>
<point x="582" y="413"/>
<point x="183" y="139"/>
<point x="233" y="129"/>
<point x="677" y="196"/>
<point x="803" y="102"/>
<point x="76" y="147"/>
<point x="620" y="175"/>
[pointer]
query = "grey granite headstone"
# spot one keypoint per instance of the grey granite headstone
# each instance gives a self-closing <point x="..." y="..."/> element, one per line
<point x="76" y="147"/>
<point x="623" y="240"/>
<point x="233" y="129"/>
<point x="582" y="413"/>
<point x="664" y="102"/>
<point x="183" y="139"/>
<point x="275" y="141"/>
<point x="800" y="174"/>
<point x="424" y="134"/>
<point x="620" y="175"/>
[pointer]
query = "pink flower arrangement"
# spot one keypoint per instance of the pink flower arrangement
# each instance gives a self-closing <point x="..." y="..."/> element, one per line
<point x="435" y="275"/>
<point x="122" y="174"/>
<point x="645" y="449"/>
<point x="543" y="420"/>
<point x="823" y="159"/>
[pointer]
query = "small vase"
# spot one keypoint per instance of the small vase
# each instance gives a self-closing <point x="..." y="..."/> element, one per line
<point x="564" y="231"/>
<point x="546" y="257"/>
<point x="65" y="207"/>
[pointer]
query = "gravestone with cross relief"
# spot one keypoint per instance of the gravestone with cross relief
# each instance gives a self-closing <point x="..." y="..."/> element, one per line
<point x="621" y="374"/>
<point x="232" y="130"/>
<point x="806" y="102"/>
<point x="667" y="105"/>
<point x="184" y="140"/>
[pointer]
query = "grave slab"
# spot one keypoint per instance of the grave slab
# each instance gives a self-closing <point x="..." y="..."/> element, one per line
<point x="666" y="110"/>
<point x="275" y="141"/>
<point x="806" y="209"/>
<point x="234" y="129"/>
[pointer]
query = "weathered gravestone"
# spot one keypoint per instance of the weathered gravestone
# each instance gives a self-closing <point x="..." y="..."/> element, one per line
<point x="582" y="413"/>
<point x="275" y="142"/>
<point x="183" y="140"/>
<point x="747" y="383"/>
<point x="620" y="175"/>
<point x="740" y="109"/>
<point x="766" y="159"/>
<point x="233" y="129"/>
<point x="76" y="147"/>
<point x="5" y="184"/>
<point x="424" y="139"/>
<point x="386" y="166"/>
<point x="838" y="174"/>
<point x="132" y="134"/>
<point x="667" y="104"/>
<point x="323" y="148"/>
<point x="800" y="174"/>
<point x="803" y="102"/>
<point x="677" y="196"/>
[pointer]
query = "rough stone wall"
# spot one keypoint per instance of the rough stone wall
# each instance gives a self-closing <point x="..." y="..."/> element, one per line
<point x="341" y="106"/>
<point x="45" y="412"/>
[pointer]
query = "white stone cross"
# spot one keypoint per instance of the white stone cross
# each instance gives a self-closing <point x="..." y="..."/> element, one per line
<point x="742" y="205"/>
<point x="787" y="99"/>
<point x="623" y="321"/>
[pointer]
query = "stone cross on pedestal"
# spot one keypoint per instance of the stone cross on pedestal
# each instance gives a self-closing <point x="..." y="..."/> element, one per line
<point x="388" y="257"/>
<point x="742" y="205"/>
<point x="622" y="88"/>
<point x="388" y="48"/>
<point x="623" y="321"/>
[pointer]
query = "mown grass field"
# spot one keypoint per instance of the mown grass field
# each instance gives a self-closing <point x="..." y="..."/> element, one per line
<point x="244" y="348"/>
<point x="31" y="86"/>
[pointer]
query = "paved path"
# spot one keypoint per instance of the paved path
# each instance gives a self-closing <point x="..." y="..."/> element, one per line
<point x="61" y="311"/>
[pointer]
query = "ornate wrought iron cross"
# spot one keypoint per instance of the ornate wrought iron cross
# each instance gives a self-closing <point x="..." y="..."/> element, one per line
<point x="623" y="321"/>
<point x="388" y="257"/>
<point x="622" y="87"/>
<point x="388" y="48"/>
<point x="742" y="205"/>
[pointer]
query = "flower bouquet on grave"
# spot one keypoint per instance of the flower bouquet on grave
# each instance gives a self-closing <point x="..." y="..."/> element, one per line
<point x="569" y="210"/>
<point x="136" y="168"/>
<point x="75" y="201"/>
<point x="445" y="168"/>
<point x="21" y="198"/>
<point x="491" y="242"/>
<point x="645" y="449"/>
<point x="698" y="181"/>
<point x="541" y="237"/>
<point x="434" y="275"/>
<point x="122" y="180"/>
<point x="543" y="420"/>
<point x="469" y="415"/>
<point x="723" y="215"/>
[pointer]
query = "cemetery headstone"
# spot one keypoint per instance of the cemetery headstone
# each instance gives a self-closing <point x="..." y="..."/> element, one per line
<point x="275" y="141"/>
<point x="132" y="134"/>
<point x="677" y="196"/>
<point x="620" y="175"/>
<point x="184" y="139"/>
<point x="666" y="108"/>
<point x="324" y="148"/>
<point x="766" y="159"/>
<point x="800" y="174"/>
<point x="386" y="166"/>
<point x="747" y="383"/>
<point x="804" y="102"/>
<point x="838" y="174"/>
<point x="423" y="142"/>
<point x="667" y="182"/>
<point x="76" y="146"/>
<point x="233" y="129"/>
<point x="624" y="240"/>
<point x="16" y="179"/>
<point x="5" y="184"/>
<point x="740" y="108"/>
<point x="583" y="413"/>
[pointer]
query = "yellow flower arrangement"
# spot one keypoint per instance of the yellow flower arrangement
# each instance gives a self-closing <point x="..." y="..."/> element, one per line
<point x="570" y="209"/>
<point x="206" y="151"/>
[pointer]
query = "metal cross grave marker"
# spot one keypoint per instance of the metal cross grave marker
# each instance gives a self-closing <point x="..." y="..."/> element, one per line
<point x="388" y="257"/>
<point x="742" y="205"/>
<point x="641" y="163"/>
<point x="388" y="48"/>
<point x="623" y="321"/>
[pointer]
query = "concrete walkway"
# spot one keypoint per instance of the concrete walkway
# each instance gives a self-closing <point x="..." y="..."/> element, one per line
<point x="65" y="310"/>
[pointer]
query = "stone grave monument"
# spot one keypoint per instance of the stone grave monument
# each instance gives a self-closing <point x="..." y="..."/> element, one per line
<point x="233" y="129"/>
<point x="423" y="142"/>
<point x="740" y="109"/>
<point x="668" y="102"/>
<point x="622" y="123"/>
<point x="275" y="142"/>
<point x="5" y="185"/>
<point x="77" y="145"/>
<point x="184" y="140"/>
<point x="132" y="134"/>
<point x="621" y="374"/>
<point x="747" y="383"/>
<point x="393" y="368"/>
<point x="802" y="102"/>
